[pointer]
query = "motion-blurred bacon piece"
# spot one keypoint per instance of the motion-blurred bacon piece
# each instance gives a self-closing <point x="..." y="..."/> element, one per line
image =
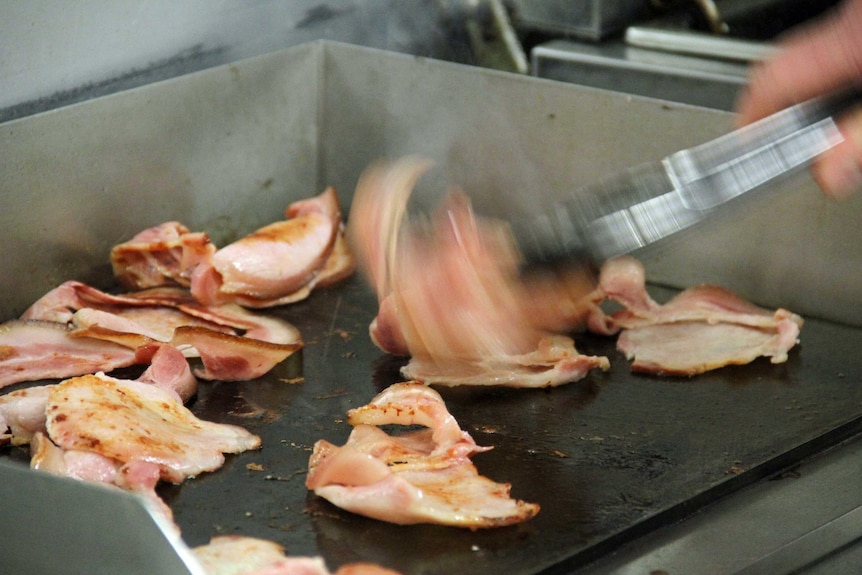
<point x="450" y="293"/>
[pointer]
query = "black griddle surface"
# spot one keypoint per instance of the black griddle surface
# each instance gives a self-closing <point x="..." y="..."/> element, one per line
<point x="608" y="458"/>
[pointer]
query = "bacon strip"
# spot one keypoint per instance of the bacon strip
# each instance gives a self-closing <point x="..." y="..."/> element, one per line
<point x="702" y="328"/>
<point x="131" y="421"/>
<point x="22" y="414"/>
<point x="34" y="350"/>
<point x="142" y="321"/>
<point x="422" y="476"/>
<point x="166" y="254"/>
<point x="554" y="362"/>
<point x="238" y="555"/>
<point x="279" y="263"/>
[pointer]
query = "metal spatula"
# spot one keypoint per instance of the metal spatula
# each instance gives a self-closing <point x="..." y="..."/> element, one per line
<point x="655" y="200"/>
<point x="56" y="525"/>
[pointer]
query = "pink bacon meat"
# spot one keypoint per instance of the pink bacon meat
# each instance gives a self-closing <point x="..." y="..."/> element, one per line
<point x="282" y="262"/>
<point x="238" y="555"/>
<point x="702" y="328"/>
<point x="166" y="254"/>
<point x="423" y="476"/>
<point x="129" y="420"/>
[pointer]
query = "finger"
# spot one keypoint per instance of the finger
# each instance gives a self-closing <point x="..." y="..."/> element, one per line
<point x="813" y="60"/>
<point x="839" y="171"/>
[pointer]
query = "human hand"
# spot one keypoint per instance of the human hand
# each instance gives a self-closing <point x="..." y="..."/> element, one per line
<point x="814" y="60"/>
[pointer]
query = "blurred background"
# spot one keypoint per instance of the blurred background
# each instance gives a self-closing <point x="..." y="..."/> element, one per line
<point x="54" y="53"/>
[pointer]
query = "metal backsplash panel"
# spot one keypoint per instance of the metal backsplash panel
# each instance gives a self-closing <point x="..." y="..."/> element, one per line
<point x="587" y="19"/>
<point x="225" y="150"/>
<point x="222" y="150"/>
<point x="513" y="142"/>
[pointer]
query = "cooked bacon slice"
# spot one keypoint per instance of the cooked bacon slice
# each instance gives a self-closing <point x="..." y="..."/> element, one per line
<point x="155" y="322"/>
<point x="23" y="411"/>
<point x="141" y="321"/>
<point x="279" y="263"/>
<point x="238" y="555"/>
<point x="450" y="293"/>
<point x="338" y="266"/>
<point x="555" y="362"/>
<point x="85" y="465"/>
<point x="702" y="328"/>
<point x="162" y="255"/>
<point x="61" y="304"/>
<point x="229" y="357"/>
<point x="277" y="259"/>
<point x="423" y="476"/>
<point x="128" y="434"/>
<point x="22" y="414"/>
<point x="134" y="421"/>
<point x="169" y="370"/>
<point x="34" y="350"/>
<point x="137" y="475"/>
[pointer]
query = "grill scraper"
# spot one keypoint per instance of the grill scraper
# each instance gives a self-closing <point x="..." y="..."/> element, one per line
<point x="652" y="201"/>
<point x="57" y="525"/>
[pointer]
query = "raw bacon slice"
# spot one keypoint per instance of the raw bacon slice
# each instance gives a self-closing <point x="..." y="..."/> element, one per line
<point x="450" y="293"/>
<point x="702" y="328"/>
<point x="162" y="255"/>
<point x="34" y="350"/>
<point x="142" y="321"/>
<point x="133" y="421"/>
<point x="423" y="476"/>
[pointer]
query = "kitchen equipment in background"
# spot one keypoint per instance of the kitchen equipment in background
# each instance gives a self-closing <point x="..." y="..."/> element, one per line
<point x="693" y="52"/>
<point x="586" y="19"/>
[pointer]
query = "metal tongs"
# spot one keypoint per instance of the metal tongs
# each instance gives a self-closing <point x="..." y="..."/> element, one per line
<point x="657" y="199"/>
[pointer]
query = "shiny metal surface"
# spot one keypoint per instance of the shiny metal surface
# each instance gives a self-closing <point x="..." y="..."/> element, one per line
<point x="61" y="526"/>
<point x="589" y="19"/>
<point x="58" y="53"/>
<point x="803" y="521"/>
<point x="697" y="44"/>
<point x="653" y="201"/>
<point x="618" y="66"/>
